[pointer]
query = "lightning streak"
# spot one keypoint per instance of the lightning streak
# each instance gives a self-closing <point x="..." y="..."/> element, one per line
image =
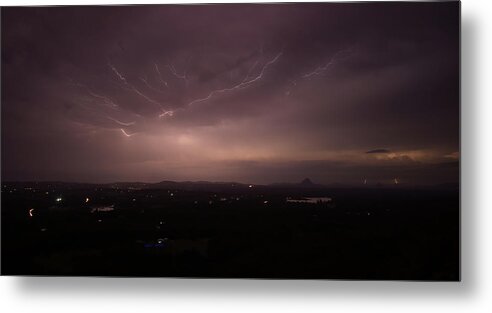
<point x="166" y="113"/>
<point x="160" y="76"/>
<point x="148" y="85"/>
<point x="320" y="69"/>
<point x="250" y="71"/>
<point x="145" y="97"/>
<point x="120" y="122"/>
<point x="125" y="133"/>
<point x="117" y="73"/>
<point x="106" y="100"/>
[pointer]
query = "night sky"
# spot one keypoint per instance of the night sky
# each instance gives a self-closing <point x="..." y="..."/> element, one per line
<point x="339" y="93"/>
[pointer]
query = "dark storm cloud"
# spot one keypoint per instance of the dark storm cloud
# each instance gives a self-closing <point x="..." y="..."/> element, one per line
<point x="142" y="92"/>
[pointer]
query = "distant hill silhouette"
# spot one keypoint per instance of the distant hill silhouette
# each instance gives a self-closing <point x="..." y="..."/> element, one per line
<point x="307" y="182"/>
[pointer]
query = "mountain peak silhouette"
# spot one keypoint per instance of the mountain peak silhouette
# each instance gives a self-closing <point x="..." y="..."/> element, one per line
<point x="307" y="182"/>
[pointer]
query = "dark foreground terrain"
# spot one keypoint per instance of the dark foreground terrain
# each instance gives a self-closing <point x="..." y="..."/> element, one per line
<point x="230" y="230"/>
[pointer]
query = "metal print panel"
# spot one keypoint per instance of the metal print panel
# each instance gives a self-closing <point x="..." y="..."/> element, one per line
<point x="288" y="141"/>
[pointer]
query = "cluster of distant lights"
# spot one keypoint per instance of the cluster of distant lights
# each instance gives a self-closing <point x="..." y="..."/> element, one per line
<point x="396" y="181"/>
<point x="31" y="211"/>
<point x="171" y="194"/>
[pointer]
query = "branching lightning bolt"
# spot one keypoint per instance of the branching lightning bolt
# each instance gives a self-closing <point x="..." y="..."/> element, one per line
<point x="131" y="87"/>
<point x="245" y="83"/>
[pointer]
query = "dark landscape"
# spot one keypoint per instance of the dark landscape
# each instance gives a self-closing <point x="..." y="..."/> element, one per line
<point x="231" y="230"/>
